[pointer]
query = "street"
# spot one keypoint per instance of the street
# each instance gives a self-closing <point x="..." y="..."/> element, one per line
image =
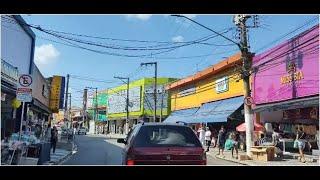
<point x="97" y="150"/>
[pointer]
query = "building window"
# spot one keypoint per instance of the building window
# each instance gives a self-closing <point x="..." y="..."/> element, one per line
<point x="187" y="91"/>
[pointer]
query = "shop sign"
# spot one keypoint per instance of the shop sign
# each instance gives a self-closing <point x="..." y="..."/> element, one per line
<point x="57" y="94"/>
<point x="293" y="74"/>
<point x="303" y="113"/>
<point x="222" y="85"/>
<point x="9" y="72"/>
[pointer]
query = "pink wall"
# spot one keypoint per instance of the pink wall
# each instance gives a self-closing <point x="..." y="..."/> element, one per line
<point x="271" y="65"/>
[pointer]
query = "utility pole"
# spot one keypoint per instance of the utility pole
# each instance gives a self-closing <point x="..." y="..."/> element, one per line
<point x="95" y="117"/>
<point x="155" y="87"/>
<point x="85" y="100"/>
<point x="161" y="107"/>
<point x="66" y="99"/>
<point x="127" y="100"/>
<point x="240" y="21"/>
<point x="70" y="115"/>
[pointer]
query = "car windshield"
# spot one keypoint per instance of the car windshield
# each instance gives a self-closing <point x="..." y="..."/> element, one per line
<point x="166" y="136"/>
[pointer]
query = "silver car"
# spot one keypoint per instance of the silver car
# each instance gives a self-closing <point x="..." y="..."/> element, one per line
<point x="82" y="130"/>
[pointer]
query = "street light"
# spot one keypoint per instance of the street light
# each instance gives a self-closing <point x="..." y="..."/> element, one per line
<point x="127" y="99"/>
<point x="95" y="117"/>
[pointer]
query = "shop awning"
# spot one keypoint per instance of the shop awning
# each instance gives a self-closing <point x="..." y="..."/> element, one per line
<point x="289" y="104"/>
<point x="217" y="111"/>
<point x="184" y="115"/>
<point x="242" y="127"/>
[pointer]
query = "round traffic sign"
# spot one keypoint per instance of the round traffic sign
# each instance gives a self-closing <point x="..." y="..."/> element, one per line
<point x="25" y="80"/>
<point x="248" y="101"/>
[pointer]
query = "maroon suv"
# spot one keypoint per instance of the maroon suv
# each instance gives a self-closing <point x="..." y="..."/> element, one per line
<point x="162" y="144"/>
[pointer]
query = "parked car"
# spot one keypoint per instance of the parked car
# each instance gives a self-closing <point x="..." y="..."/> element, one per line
<point x="82" y="130"/>
<point x="162" y="143"/>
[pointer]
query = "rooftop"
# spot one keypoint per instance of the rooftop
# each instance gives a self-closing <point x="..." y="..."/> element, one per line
<point x="214" y="69"/>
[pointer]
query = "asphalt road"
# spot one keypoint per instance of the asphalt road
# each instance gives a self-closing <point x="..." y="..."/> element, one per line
<point x="98" y="150"/>
<point x="94" y="150"/>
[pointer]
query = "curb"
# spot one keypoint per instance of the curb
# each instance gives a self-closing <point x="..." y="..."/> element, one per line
<point x="66" y="156"/>
<point x="216" y="156"/>
<point x="230" y="160"/>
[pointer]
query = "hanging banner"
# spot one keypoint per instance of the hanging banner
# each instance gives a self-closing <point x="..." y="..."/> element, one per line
<point x="57" y="93"/>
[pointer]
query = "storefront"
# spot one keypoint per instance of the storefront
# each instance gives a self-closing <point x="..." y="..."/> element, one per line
<point x="286" y="88"/>
<point x="9" y="76"/>
<point x="141" y="106"/>
<point x="211" y="97"/>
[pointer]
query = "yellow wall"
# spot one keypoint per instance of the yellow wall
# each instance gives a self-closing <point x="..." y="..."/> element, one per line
<point x="206" y="91"/>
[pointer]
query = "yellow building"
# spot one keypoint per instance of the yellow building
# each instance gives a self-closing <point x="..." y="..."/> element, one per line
<point x="214" y="94"/>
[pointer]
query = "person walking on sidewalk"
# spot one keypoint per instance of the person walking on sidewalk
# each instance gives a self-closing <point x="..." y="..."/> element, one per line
<point x="54" y="138"/>
<point x="300" y="143"/>
<point x="201" y="135"/>
<point x="207" y="137"/>
<point x="221" y="140"/>
<point x="235" y="144"/>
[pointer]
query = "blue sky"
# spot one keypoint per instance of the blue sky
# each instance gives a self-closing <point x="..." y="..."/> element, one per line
<point x="57" y="59"/>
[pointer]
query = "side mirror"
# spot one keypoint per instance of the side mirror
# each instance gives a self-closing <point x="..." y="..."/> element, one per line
<point x="121" y="141"/>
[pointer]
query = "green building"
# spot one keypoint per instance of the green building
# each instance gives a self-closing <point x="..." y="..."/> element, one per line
<point x="141" y="103"/>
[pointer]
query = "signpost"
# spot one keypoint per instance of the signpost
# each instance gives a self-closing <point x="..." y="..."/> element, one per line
<point x="24" y="94"/>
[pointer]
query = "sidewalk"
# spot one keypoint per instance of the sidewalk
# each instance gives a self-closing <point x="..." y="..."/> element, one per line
<point x="63" y="151"/>
<point x="290" y="160"/>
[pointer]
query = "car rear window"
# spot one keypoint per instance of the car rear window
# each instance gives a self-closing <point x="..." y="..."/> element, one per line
<point x="166" y="136"/>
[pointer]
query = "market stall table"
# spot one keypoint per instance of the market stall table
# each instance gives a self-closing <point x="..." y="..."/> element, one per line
<point x="263" y="153"/>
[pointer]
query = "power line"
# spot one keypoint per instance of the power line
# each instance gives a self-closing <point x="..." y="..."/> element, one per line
<point x="287" y="34"/>
<point x="66" y="39"/>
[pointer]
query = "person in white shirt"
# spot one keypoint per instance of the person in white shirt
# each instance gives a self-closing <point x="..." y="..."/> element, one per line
<point x="208" y="138"/>
<point x="201" y="135"/>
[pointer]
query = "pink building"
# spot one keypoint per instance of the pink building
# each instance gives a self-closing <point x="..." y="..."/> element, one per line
<point x="285" y="86"/>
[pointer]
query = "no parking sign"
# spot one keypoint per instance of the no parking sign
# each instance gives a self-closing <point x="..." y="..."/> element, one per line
<point x="24" y="90"/>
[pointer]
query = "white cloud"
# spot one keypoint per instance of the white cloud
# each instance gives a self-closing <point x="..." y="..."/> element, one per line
<point x="178" y="39"/>
<point x="45" y="54"/>
<point x="143" y="17"/>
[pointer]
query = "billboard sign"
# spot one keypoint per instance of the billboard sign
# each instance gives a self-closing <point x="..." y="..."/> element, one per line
<point x="117" y="101"/>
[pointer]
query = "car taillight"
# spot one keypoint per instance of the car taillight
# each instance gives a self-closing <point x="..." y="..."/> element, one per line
<point x="130" y="162"/>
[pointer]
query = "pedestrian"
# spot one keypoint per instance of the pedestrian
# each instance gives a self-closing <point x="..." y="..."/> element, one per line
<point x="300" y="143"/>
<point x="213" y="138"/>
<point x="202" y="135"/>
<point x="54" y="138"/>
<point x="48" y="133"/>
<point x="221" y="140"/>
<point x="235" y="143"/>
<point x="208" y="138"/>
